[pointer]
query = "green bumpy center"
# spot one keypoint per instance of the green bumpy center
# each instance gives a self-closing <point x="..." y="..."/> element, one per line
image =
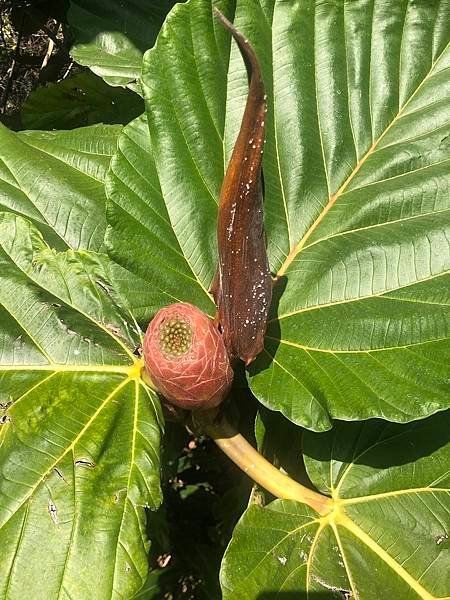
<point x="176" y="337"/>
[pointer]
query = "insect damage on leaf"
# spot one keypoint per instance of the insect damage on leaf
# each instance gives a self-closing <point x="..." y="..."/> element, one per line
<point x="242" y="287"/>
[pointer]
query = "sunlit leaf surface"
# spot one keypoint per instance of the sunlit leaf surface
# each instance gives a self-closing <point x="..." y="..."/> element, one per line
<point x="158" y="271"/>
<point x="388" y="533"/>
<point x="356" y="174"/>
<point x="79" y="433"/>
<point x="56" y="179"/>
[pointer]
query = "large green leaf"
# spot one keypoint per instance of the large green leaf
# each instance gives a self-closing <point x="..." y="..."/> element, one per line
<point x="111" y="35"/>
<point x="158" y="270"/>
<point x="364" y="313"/>
<point x="79" y="433"/>
<point x="56" y="179"/>
<point x="77" y="101"/>
<point x="387" y="536"/>
<point x="184" y="80"/>
<point x="165" y="187"/>
<point x="356" y="193"/>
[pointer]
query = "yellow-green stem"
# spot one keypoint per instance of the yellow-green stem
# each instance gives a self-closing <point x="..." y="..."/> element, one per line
<point x="147" y="379"/>
<point x="236" y="447"/>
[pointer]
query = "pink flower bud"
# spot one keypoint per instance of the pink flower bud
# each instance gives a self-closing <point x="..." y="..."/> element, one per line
<point x="186" y="357"/>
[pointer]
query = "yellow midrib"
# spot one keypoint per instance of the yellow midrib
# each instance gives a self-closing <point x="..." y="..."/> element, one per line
<point x="61" y="368"/>
<point x="332" y="199"/>
<point x="340" y="518"/>
<point x="381" y="295"/>
<point x="362" y="351"/>
<point x="71" y="446"/>
<point x="393" y="494"/>
<point x="132" y="463"/>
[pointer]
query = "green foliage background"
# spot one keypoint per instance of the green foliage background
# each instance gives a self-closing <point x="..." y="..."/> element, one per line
<point x="101" y="225"/>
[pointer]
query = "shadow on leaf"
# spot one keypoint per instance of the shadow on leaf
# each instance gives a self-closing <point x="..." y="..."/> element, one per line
<point x="379" y="444"/>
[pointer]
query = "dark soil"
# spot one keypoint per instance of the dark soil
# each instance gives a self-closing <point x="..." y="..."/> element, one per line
<point x="34" y="50"/>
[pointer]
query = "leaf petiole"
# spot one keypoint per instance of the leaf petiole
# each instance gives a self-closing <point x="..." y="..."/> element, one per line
<point x="247" y="458"/>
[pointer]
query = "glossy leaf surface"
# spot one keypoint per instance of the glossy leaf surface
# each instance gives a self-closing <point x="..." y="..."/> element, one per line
<point x="157" y="269"/>
<point x="356" y="198"/>
<point x="362" y="323"/>
<point x="79" y="433"/>
<point x="356" y="173"/>
<point x="388" y="529"/>
<point x="56" y="179"/>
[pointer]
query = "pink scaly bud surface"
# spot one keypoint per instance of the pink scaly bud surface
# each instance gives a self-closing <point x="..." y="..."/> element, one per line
<point x="186" y="358"/>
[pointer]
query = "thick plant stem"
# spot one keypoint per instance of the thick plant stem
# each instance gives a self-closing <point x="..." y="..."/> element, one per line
<point x="261" y="470"/>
